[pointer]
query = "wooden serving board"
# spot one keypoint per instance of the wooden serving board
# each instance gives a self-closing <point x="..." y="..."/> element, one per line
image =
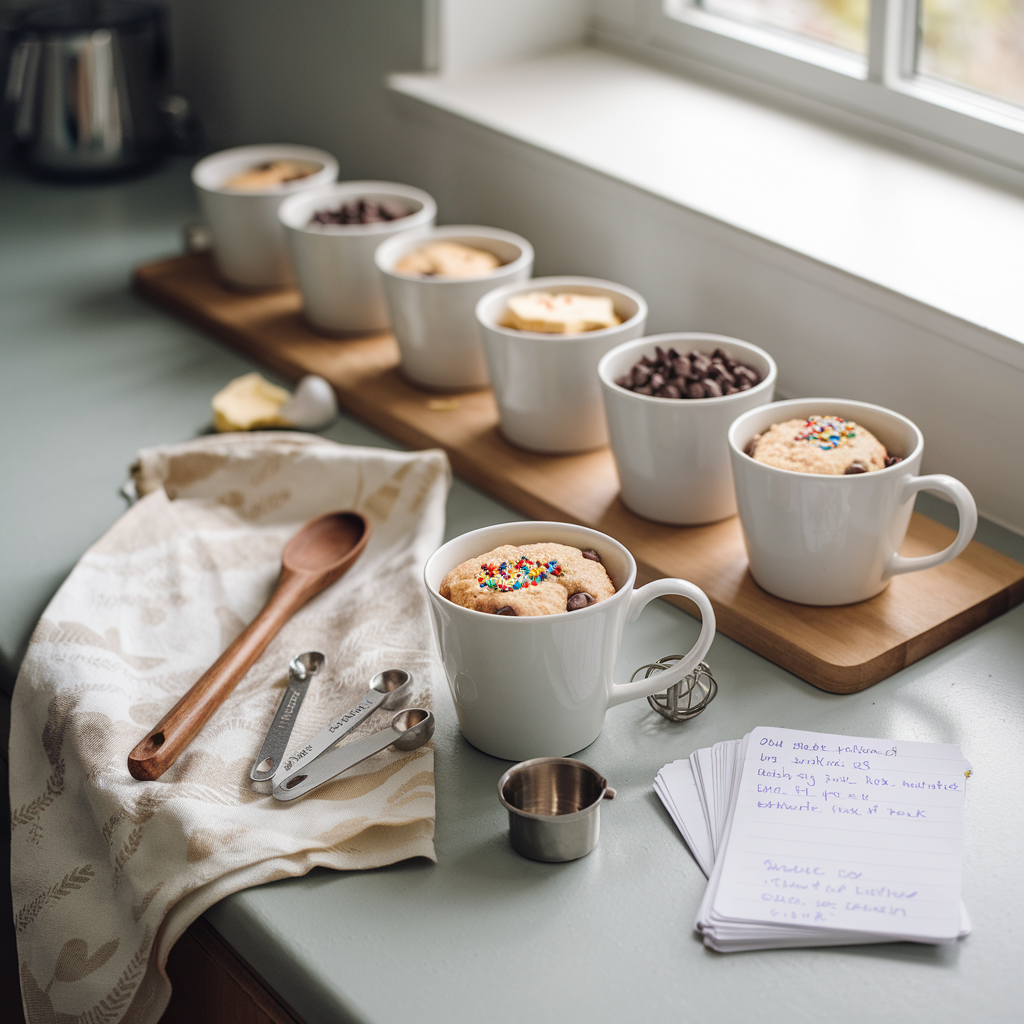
<point x="841" y="650"/>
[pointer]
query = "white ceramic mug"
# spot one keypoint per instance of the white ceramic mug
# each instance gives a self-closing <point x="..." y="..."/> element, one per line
<point x="539" y="686"/>
<point x="828" y="540"/>
<point x="249" y="249"/>
<point x="341" y="287"/>
<point x="671" y="453"/>
<point x="433" y="317"/>
<point x="546" y="385"/>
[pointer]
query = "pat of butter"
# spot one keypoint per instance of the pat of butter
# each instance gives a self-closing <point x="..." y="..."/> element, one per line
<point x="249" y="402"/>
<point x="566" y="313"/>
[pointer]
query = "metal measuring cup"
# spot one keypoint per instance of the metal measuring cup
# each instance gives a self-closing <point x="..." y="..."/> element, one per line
<point x="554" y="807"/>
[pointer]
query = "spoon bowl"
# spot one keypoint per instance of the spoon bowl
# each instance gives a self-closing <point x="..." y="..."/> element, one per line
<point x="416" y="726"/>
<point x="394" y="684"/>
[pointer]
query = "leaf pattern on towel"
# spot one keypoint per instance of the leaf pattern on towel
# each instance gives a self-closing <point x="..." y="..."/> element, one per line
<point x="58" y="716"/>
<point x="70" y="883"/>
<point x="76" y="633"/>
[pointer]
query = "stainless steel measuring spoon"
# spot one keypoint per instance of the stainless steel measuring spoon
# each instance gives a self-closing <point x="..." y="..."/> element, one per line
<point x="301" y="670"/>
<point x="387" y="690"/>
<point x="408" y="730"/>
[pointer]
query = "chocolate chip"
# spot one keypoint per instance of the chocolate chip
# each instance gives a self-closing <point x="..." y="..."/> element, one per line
<point x="578" y="601"/>
<point x="361" y="211"/>
<point x="751" y="446"/>
<point x="667" y="374"/>
<point x="891" y="460"/>
<point x="855" y="467"/>
<point x="506" y="610"/>
<point x="592" y="555"/>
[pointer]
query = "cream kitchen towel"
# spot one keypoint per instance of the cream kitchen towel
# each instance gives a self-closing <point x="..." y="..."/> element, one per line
<point x="107" y="871"/>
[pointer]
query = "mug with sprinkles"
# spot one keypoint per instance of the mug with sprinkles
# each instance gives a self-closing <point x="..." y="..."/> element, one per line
<point x="821" y="534"/>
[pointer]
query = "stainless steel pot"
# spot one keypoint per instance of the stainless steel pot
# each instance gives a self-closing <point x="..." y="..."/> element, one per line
<point x="87" y="81"/>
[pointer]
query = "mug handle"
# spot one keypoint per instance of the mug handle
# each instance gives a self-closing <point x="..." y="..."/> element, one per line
<point x="966" y="509"/>
<point x="622" y="692"/>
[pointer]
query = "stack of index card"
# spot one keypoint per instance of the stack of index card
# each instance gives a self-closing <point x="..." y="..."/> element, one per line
<point x="813" y="839"/>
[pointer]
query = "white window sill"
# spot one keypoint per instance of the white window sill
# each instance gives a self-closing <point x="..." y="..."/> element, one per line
<point x="945" y="241"/>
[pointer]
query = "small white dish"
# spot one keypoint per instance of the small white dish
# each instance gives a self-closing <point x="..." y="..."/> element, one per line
<point x="433" y="317"/>
<point x="546" y="385"/>
<point x="672" y="454"/>
<point x="341" y="287"/>
<point x="249" y="248"/>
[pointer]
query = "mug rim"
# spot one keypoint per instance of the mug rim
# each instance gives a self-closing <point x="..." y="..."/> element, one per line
<point x="626" y="588"/>
<point x="341" y="189"/>
<point x="573" y="815"/>
<point x="762" y="385"/>
<point x="740" y="422"/>
<point x="386" y="254"/>
<point x="542" y="283"/>
<point x="274" y="150"/>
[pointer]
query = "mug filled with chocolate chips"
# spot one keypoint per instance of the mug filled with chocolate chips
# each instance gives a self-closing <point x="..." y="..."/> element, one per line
<point x="669" y="400"/>
<point x="825" y="489"/>
<point x="529" y="618"/>
<point x="433" y="279"/>
<point x="240" y="191"/>
<point x="332" y="235"/>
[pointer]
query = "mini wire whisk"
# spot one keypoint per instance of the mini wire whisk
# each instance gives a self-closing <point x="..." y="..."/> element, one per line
<point x="687" y="698"/>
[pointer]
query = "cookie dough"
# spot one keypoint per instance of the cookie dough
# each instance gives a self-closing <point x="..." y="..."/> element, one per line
<point x="564" y="313"/>
<point x="531" y="579"/>
<point x="447" y="259"/>
<point x="828" y="445"/>
<point x="270" y="175"/>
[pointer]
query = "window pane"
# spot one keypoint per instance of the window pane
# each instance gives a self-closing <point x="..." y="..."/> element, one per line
<point x="841" y="23"/>
<point x="977" y="43"/>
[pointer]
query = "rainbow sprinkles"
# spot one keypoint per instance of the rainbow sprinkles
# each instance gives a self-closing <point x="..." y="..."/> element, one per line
<point x="518" y="576"/>
<point x="827" y="431"/>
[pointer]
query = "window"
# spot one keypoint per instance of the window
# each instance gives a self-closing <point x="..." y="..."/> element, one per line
<point x="949" y="73"/>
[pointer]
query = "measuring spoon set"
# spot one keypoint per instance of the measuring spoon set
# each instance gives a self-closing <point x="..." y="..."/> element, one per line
<point x="319" y="760"/>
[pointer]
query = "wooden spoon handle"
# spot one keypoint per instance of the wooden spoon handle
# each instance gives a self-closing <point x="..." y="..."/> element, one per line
<point x="176" y="730"/>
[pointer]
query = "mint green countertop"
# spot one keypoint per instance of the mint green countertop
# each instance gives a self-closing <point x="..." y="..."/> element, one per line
<point x="89" y="373"/>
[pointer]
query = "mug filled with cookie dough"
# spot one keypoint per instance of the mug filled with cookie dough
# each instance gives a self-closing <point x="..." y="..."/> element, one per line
<point x="433" y="279"/>
<point x="332" y="234"/>
<point x="670" y="400"/>
<point x="240" y="191"/>
<point x="825" y="489"/>
<point x="543" y="339"/>
<point x="529" y="618"/>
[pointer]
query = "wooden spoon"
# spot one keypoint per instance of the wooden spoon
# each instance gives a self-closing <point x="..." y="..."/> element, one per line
<point x="320" y="553"/>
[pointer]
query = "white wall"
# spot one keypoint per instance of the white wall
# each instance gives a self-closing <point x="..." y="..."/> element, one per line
<point x="310" y="72"/>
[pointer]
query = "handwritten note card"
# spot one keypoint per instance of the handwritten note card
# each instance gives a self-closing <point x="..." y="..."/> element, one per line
<point x="855" y="834"/>
<point x="822" y="839"/>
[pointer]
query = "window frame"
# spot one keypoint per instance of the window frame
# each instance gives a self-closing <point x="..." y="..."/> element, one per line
<point x="883" y="89"/>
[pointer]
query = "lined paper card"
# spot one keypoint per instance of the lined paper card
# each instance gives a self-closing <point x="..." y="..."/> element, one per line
<point x="845" y="834"/>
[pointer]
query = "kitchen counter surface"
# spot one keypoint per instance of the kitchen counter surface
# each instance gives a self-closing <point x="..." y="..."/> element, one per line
<point x="89" y="373"/>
